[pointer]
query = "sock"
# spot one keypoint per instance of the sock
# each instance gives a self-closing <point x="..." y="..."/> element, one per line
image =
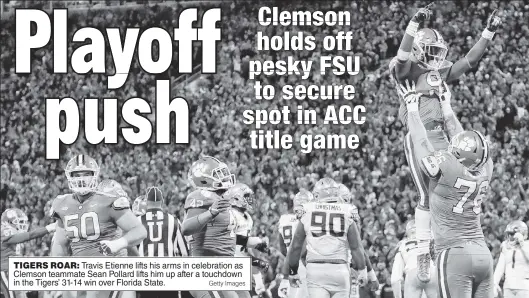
<point x="422" y="223"/>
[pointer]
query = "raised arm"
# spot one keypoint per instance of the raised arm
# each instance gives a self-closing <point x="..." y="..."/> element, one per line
<point x="403" y="63"/>
<point x="421" y="145"/>
<point x="473" y="56"/>
<point x="452" y="124"/>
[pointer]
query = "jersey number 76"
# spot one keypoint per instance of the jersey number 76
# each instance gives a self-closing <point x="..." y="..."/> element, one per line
<point x="472" y="189"/>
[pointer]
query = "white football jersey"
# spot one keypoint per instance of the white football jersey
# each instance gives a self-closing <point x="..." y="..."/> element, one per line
<point x="326" y="227"/>
<point x="287" y="227"/>
<point x="243" y="224"/>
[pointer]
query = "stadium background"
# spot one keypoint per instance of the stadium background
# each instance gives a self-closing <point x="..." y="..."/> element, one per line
<point x="492" y="98"/>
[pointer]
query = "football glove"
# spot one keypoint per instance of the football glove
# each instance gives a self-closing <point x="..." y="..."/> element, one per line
<point x="262" y="265"/>
<point x="294" y="280"/>
<point x="410" y="95"/>
<point x="262" y="247"/>
<point x="109" y="247"/>
<point x="282" y="291"/>
<point x="219" y="206"/>
<point x="493" y="22"/>
<point x="444" y="94"/>
<point x="362" y="277"/>
<point x="423" y="14"/>
<point x="519" y="238"/>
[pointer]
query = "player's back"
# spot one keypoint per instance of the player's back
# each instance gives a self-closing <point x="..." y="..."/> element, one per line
<point x="456" y="202"/>
<point x="287" y="227"/>
<point x="7" y="250"/>
<point x="88" y="221"/>
<point x="326" y="227"/>
<point x="161" y="231"/>
<point x="216" y="238"/>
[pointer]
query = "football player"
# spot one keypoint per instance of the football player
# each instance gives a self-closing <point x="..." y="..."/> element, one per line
<point x="421" y="59"/>
<point x="14" y="231"/>
<point x="208" y="220"/>
<point x="241" y="197"/>
<point x="95" y="220"/>
<point x="287" y="226"/>
<point x="405" y="269"/>
<point x="460" y="180"/>
<point x="513" y="262"/>
<point x="332" y="237"/>
<point x="347" y="198"/>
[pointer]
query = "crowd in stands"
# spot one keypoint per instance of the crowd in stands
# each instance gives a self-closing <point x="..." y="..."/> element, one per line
<point x="492" y="98"/>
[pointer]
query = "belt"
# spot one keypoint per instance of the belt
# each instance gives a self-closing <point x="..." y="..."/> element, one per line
<point x="329" y="261"/>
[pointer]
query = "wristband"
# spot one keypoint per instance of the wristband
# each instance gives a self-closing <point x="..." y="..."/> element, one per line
<point x="211" y="211"/>
<point x="371" y="276"/>
<point x="412" y="28"/>
<point x="413" y="107"/>
<point x="487" y="34"/>
<point x="121" y="243"/>
<point x="293" y="271"/>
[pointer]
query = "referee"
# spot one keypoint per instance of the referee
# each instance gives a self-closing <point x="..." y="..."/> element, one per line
<point x="164" y="237"/>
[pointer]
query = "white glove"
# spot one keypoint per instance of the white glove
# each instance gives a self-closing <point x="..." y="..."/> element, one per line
<point x="362" y="277"/>
<point x="108" y="247"/>
<point x="282" y="291"/>
<point x="295" y="281"/>
<point x="497" y="290"/>
<point x="51" y="227"/>
<point x="519" y="238"/>
<point x="410" y="95"/>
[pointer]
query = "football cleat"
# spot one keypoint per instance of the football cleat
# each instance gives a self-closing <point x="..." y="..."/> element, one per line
<point x="82" y="173"/>
<point x="211" y="174"/>
<point x="240" y="195"/>
<point x="470" y="148"/>
<point x="15" y="218"/>
<point x="302" y="197"/>
<point x="430" y="49"/>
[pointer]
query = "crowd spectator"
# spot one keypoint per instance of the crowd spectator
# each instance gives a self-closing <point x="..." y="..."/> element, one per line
<point x="492" y="98"/>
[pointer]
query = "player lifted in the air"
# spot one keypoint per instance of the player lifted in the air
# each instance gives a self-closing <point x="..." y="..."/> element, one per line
<point x="421" y="59"/>
<point x="405" y="269"/>
<point x="513" y="262"/>
<point x="13" y="232"/>
<point x="332" y="238"/>
<point x="208" y="220"/>
<point x="287" y="226"/>
<point x="95" y="220"/>
<point x="241" y="197"/>
<point x="460" y="180"/>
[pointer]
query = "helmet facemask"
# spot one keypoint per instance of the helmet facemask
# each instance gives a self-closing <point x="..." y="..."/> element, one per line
<point x="431" y="55"/>
<point x="222" y="177"/>
<point x="21" y="223"/>
<point x="82" y="181"/>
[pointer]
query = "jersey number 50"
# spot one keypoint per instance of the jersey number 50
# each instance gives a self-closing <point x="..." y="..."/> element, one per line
<point x="81" y="229"/>
<point x="333" y="225"/>
<point x="472" y="187"/>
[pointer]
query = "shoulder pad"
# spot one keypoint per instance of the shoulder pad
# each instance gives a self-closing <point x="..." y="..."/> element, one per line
<point x="55" y="205"/>
<point x="121" y="203"/>
<point x="200" y="199"/>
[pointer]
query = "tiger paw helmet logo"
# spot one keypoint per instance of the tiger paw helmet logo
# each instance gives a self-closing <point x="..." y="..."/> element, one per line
<point x="466" y="144"/>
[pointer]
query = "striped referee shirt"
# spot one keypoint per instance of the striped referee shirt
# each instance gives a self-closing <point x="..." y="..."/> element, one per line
<point x="164" y="235"/>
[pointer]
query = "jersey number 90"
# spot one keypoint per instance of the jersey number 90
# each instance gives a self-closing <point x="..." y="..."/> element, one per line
<point x="323" y="223"/>
<point x="80" y="231"/>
